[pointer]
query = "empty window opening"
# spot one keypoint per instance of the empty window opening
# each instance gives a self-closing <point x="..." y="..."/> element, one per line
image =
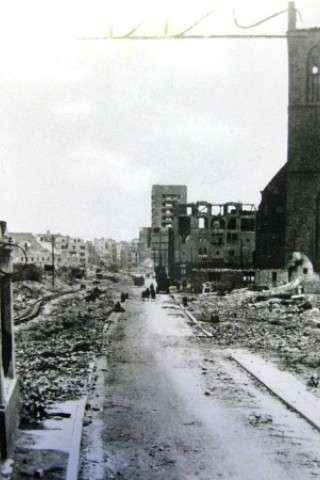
<point x="232" y="237"/>
<point x="203" y="208"/>
<point x="216" y="210"/>
<point x="247" y="224"/>
<point x="232" y="224"/>
<point x="203" y="253"/>
<point x="202" y="222"/>
<point x="313" y="75"/>
<point x="248" y="277"/>
<point x="232" y="209"/>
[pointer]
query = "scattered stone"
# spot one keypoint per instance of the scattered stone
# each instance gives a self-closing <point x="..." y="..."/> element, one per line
<point x="313" y="381"/>
<point x="54" y="352"/>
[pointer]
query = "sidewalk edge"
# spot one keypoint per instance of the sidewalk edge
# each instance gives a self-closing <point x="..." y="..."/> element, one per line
<point x="74" y="457"/>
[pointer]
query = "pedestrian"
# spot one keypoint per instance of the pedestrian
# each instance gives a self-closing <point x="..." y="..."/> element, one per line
<point x="152" y="292"/>
<point x="143" y="295"/>
<point x="124" y="297"/>
<point x="148" y="293"/>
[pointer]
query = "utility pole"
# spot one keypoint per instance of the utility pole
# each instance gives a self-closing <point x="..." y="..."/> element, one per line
<point x="53" y="268"/>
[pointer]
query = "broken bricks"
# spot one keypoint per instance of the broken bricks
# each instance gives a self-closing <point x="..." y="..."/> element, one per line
<point x="54" y="352"/>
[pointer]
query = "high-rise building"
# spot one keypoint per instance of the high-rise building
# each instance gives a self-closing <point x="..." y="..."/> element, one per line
<point x="163" y="199"/>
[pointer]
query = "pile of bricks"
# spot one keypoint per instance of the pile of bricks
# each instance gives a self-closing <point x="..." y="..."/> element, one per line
<point x="54" y="352"/>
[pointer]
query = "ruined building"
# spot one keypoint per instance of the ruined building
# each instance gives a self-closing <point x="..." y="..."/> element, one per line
<point x="288" y="218"/>
<point x="164" y="198"/>
<point x="213" y="236"/>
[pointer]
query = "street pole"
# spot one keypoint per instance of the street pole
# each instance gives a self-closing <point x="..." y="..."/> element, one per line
<point x="53" y="270"/>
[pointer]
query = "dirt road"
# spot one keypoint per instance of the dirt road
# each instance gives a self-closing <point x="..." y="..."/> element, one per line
<point x="166" y="406"/>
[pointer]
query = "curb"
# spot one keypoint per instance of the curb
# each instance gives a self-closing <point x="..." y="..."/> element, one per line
<point x="283" y="385"/>
<point x="75" y="447"/>
<point x="195" y="321"/>
<point x="192" y="318"/>
<point x="74" y="457"/>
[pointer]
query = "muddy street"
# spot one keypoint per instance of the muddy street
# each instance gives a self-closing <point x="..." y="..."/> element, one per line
<point x="164" y="404"/>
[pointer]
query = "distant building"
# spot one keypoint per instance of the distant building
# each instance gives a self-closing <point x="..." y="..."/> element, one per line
<point x="213" y="236"/>
<point x="162" y="247"/>
<point x="35" y="252"/>
<point x="135" y="253"/>
<point x="105" y="252"/>
<point x="163" y="200"/>
<point x="42" y="249"/>
<point x="74" y="249"/>
<point x="144" y="244"/>
<point x="124" y="258"/>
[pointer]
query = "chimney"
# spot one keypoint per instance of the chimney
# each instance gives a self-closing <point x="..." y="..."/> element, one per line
<point x="3" y="228"/>
<point x="292" y="17"/>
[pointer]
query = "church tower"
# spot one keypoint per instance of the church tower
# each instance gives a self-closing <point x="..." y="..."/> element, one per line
<point x="288" y="218"/>
<point x="303" y="167"/>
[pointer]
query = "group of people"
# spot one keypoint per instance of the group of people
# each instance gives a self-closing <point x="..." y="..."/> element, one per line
<point x="149" y="293"/>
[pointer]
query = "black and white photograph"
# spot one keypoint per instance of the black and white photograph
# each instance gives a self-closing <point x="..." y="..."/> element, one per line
<point x="160" y="240"/>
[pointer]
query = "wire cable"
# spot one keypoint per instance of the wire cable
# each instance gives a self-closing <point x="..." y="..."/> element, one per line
<point x="246" y="27"/>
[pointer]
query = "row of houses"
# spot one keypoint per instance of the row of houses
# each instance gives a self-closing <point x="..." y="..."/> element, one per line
<point x="46" y="250"/>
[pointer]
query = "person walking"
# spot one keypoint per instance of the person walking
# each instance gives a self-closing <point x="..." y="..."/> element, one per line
<point x="152" y="292"/>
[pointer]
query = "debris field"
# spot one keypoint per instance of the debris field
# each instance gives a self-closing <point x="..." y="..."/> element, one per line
<point x="55" y="351"/>
<point x="277" y="324"/>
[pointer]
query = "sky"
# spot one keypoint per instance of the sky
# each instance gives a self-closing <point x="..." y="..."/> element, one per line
<point x="88" y="124"/>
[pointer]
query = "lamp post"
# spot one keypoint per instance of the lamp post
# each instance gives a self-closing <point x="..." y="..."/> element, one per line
<point x="53" y="267"/>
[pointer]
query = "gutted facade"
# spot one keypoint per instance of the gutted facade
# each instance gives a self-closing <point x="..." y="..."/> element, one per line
<point x="213" y="235"/>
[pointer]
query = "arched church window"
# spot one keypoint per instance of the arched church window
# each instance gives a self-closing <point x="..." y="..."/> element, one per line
<point x="313" y="75"/>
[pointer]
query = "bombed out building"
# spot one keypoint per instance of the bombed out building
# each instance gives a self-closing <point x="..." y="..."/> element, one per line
<point x="288" y="218"/>
<point x="213" y="236"/>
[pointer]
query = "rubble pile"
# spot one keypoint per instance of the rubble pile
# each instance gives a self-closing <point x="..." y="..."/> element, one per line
<point x="281" y="325"/>
<point x="54" y="352"/>
<point x="26" y="293"/>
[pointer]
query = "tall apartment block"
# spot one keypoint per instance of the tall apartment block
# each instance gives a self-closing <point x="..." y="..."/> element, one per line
<point x="163" y="199"/>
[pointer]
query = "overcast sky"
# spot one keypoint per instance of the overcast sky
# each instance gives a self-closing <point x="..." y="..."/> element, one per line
<point x="87" y="126"/>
